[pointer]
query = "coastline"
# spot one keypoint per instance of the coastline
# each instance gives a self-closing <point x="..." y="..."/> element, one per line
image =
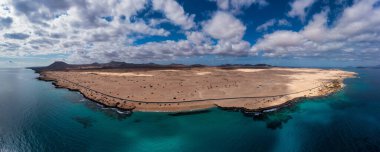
<point x="196" y="105"/>
<point x="54" y="83"/>
<point x="238" y="109"/>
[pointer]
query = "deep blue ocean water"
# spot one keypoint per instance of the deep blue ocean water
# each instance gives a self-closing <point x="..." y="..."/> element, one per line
<point x="35" y="116"/>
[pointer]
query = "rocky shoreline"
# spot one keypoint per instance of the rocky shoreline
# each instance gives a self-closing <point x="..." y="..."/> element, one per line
<point x="56" y="85"/>
<point x="260" y="111"/>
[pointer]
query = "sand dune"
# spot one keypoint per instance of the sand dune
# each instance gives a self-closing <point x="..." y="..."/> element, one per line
<point x="203" y="73"/>
<point x="118" y="74"/>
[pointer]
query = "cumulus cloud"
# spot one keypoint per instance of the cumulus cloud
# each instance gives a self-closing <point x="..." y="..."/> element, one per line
<point x="355" y="35"/>
<point x="228" y="42"/>
<point x="154" y="51"/>
<point x="39" y="11"/>
<point x="147" y="52"/>
<point x="228" y="31"/>
<point x="197" y="37"/>
<point x="175" y="13"/>
<point x="101" y="31"/>
<point x="299" y="8"/>
<point x="224" y="26"/>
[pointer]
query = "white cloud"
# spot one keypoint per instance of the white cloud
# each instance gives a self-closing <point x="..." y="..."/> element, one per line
<point x="229" y="32"/>
<point x="236" y="6"/>
<point x="299" y="8"/>
<point x="197" y="37"/>
<point x="284" y="22"/>
<point x="266" y="25"/>
<point x="271" y="23"/>
<point x="234" y="48"/>
<point x="223" y="4"/>
<point x="354" y="36"/>
<point x="224" y="26"/>
<point x="175" y="13"/>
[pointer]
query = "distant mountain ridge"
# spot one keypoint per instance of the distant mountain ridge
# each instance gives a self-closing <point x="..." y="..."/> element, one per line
<point x="60" y="65"/>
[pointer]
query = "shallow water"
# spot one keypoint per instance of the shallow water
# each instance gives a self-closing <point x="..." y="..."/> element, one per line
<point x="34" y="116"/>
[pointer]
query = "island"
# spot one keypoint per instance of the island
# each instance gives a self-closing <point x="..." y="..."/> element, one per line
<point x="175" y="87"/>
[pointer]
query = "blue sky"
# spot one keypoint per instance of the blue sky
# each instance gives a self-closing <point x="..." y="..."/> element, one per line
<point x="315" y="33"/>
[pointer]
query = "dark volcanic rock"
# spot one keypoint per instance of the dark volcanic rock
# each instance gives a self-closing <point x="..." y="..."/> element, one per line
<point x="58" y="65"/>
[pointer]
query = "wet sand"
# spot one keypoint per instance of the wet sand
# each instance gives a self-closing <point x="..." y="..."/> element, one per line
<point x="199" y="88"/>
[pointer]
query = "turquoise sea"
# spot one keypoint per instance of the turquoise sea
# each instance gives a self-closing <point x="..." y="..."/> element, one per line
<point x="35" y="116"/>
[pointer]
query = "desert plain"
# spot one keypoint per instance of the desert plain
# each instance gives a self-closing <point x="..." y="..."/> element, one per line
<point x="188" y="89"/>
